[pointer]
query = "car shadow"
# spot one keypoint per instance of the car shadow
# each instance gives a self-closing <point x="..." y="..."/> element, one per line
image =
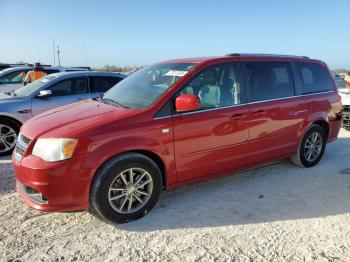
<point x="276" y="192"/>
<point x="272" y="193"/>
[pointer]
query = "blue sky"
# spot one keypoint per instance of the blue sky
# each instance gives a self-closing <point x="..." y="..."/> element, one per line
<point x="142" y="32"/>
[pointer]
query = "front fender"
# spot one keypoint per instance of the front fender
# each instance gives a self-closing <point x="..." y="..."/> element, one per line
<point x="100" y="153"/>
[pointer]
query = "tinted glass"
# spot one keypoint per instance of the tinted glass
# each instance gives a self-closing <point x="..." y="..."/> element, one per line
<point x="62" y="88"/>
<point x="102" y="84"/>
<point x="80" y="86"/>
<point x="216" y="86"/>
<point x="314" y="78"/>
<point x="269" y="80"/>
<point x="70" y="87"/>
<point x="14" y="77"/>
<point x="143" y="88"/>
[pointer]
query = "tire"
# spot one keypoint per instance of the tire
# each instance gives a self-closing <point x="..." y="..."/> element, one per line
<point x="302" y="157"/>
<point x="9" y="131"/>
<point x="110" y="183"/>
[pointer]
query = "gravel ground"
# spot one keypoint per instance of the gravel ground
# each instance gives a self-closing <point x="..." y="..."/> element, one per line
<point x="278" y="212"/>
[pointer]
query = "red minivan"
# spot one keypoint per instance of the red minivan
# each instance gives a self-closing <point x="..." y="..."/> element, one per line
<point x="173" y="123"/>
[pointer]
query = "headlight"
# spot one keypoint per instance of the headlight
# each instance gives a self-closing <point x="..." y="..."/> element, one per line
<point x="54" y="149"/>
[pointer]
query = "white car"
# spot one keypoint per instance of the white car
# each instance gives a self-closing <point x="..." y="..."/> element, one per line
<point x="344" y="92"/>
<point x="12" y="78"/>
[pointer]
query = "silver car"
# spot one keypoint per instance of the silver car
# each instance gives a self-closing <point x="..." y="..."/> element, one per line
<point x="46" y="93"/>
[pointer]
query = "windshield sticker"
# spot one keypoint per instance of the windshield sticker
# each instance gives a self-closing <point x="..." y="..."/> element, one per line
<point x="176" y="73"/>
<point x="45" y="80"/>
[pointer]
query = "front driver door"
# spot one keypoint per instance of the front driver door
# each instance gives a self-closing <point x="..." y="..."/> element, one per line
<point x="212" y="140"/>
<point x="64" y="92"/>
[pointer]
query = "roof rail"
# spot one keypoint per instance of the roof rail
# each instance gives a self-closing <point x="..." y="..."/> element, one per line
<point x="257" y="54"/>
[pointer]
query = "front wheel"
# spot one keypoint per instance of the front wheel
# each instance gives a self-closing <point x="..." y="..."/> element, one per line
<point x="311" y="148"/>
<point x="126" y="188"/>
<point x="8" y="136"/>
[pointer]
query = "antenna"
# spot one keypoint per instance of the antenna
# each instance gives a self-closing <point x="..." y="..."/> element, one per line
<point x="54" y="53"/>
<point x="58" y="55"/>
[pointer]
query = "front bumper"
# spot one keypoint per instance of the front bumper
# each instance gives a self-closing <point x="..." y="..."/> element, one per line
<point x="58" y="186"/>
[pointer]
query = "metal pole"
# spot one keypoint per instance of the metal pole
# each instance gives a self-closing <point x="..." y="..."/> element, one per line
<point x="58" y="56"/>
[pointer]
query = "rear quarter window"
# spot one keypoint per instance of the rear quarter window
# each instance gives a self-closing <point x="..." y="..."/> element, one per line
<point x="314" y="78"/>
<point x="103" y="83"/>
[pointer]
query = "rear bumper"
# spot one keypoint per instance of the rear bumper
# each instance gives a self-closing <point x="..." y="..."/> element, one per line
<point x="334" y="128"/>
<point x="50" y="186"/>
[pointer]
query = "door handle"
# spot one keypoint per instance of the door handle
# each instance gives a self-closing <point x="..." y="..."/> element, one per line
<point x="238" y="116"/>
<point x="260" y="112"/>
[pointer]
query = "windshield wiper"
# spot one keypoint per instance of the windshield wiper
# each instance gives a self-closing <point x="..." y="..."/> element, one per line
<point x="113" y="102"/>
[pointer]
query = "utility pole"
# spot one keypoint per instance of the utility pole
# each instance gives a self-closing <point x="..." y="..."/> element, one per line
<point x="54" y="53"/>
<point x="58" y="56"/>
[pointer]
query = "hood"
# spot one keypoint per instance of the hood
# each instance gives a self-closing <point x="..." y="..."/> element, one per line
<point x="9" y="87"/>
<point x="7" y="98"/>
<point x="71" y="120"/>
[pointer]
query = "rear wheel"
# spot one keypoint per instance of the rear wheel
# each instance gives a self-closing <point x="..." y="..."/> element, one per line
<point x="126" y="188"/>
<point x="8" y="136"/>
<point x="311" y="148"/>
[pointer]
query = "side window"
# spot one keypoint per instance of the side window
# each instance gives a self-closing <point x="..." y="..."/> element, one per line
<point x="217" y="86"/>
<point x="103" y="84"/>
<point x="63" y="88"/>
<point x="73" y="86"/>
<point x="314" y="78"/>
<point x="80" y="86"/>
<point x="14" y="77"/>
<point x="269" y="80"/>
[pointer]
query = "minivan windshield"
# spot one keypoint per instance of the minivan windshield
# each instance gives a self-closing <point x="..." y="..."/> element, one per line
<point x="33" y="87"/>
<point x="144" y="87"/>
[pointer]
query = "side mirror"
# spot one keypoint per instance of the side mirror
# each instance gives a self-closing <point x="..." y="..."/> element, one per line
<point x="187" y="102"/>
<point x="44" y="93"/>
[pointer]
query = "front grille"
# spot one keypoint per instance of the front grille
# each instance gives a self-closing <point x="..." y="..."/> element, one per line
<point x="21" y="146"/>
<point x="25" y="139"/>
<point x="346" y="123"/>
<point x="346" y="108"/>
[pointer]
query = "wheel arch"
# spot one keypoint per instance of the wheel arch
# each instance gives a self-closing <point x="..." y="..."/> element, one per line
<point x="148" y="153"/>
<point x="318" y="118"/>
<point x="323" y="123"/>
<point x="12" y="119"/>
<point x="157" y="159"/>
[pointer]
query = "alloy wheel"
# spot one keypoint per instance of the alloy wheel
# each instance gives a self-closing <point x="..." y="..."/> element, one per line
<point x="8" y="138"/>
<point x="130" y="190"/>
<point x="313" y="146"/>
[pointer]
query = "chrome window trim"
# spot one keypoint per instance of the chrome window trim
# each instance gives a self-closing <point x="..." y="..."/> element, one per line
<point x="244" y="104"/>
